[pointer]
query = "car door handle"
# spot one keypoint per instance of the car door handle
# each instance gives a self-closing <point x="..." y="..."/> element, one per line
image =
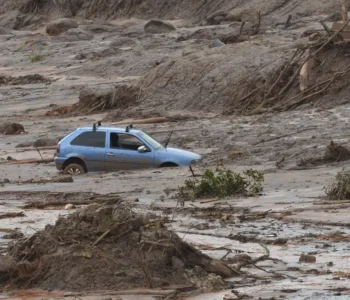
<point x="110" y="154"/>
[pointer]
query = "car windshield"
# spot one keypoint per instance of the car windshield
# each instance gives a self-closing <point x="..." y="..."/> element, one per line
<point x="154" y="144"/>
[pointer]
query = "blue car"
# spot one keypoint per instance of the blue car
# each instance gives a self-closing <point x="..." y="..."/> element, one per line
<point x="97" y="149"/>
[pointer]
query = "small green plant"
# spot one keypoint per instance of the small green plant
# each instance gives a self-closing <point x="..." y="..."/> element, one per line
<point x="35" y="57"/>
<point x="339" y="188"/>
<point x="222" y="183"/>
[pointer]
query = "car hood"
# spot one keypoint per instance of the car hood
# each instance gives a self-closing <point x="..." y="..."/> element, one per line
<point x="179" y="152"/>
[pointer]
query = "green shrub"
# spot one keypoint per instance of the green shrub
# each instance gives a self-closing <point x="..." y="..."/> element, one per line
<point x="339" y="188"/>
<point x="36" y="58"/>
<point x="222" y="183"/>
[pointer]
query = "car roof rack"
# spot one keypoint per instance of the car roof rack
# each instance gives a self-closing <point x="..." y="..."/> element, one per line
<point x="127" y="129"/>
<point x="94" y="126"/>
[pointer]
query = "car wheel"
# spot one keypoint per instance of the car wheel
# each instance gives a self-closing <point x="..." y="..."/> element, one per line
<point x="74" y="169"/>
<point x="168" y="165"/>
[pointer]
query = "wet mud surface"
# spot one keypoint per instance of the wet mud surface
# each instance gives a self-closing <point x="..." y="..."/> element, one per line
<point x="291" y="217"/>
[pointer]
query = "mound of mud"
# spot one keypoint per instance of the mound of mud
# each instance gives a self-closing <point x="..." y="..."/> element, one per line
<point x="158" y="26"/>
<point x="11" y="128"/>
<point x="59" y="26"/>
<point x="333" y="153"/>
<point x="174" y="9"/>
<point x="214" y="80"/>
<point x="250" y="78"/>
<point x="27" y="79"/>
<point x="106" y="247"/>
<point x="100" y="99"/>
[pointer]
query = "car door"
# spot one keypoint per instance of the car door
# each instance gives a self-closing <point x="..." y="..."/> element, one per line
<point x="90" y="146"/>
<point x="122" y="153"/>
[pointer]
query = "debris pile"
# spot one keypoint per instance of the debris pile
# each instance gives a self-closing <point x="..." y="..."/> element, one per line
<point x="339" y="188"/>
<point x="107" y="247"/>
<point x="212" y="80"/>
<point x="333" y="153"/>
<point x="309" y="75"/>
<point x="100" y="99"/>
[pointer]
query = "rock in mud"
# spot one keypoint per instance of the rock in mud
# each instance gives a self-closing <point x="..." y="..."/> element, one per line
<point x="59" y="26"/>
<point x="11" y="128"/>
<point x="44" y="142"/>
<point x="311" y="259"/>
<point x="158" y="26"/>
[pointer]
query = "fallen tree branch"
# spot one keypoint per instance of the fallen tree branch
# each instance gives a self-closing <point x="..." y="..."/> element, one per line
<point x="296" y="74"/>
<point x="101" y="237"/>
<point x="329" y="83"/>
<point x="12" y="215"/>
<point x="142" y="121"/>
<point x="283" y="136"/>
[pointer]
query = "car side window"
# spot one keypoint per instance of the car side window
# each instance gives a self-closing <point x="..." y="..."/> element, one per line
<point x="90" y="139"/>
<point x="124" y="141"/>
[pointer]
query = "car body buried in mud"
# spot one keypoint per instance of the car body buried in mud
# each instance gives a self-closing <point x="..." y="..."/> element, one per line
<point x="99" y="149"/>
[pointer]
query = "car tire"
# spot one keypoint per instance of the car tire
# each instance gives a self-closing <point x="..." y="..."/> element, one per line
<point x="168" y="165"/>
<point x="74" y="169"/>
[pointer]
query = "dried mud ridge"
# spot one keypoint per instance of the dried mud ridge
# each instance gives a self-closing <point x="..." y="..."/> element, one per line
<point x="27" y="79"/>
<point x="106" y="247"/>
<point x="42" y="200"/>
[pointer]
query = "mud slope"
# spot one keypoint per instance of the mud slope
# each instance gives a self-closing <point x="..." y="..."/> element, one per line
<point x="247" y="78"/>
<point x="196" y="9"/>
<point x="210" y="80"/>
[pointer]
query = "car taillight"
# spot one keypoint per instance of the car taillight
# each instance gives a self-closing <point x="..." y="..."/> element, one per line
<point x="58" y="148"/>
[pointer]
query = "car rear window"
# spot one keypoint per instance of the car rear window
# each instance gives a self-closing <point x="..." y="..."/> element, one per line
<point x="90" y="139"/>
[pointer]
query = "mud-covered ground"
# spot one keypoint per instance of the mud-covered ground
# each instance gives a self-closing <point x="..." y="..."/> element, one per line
<point x="291" y="217"/>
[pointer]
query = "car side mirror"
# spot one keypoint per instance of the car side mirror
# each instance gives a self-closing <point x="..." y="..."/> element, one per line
<point x="142" y="149"/>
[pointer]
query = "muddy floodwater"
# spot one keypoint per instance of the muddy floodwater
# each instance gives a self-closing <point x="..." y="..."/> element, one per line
<point x="223" y="82"/>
